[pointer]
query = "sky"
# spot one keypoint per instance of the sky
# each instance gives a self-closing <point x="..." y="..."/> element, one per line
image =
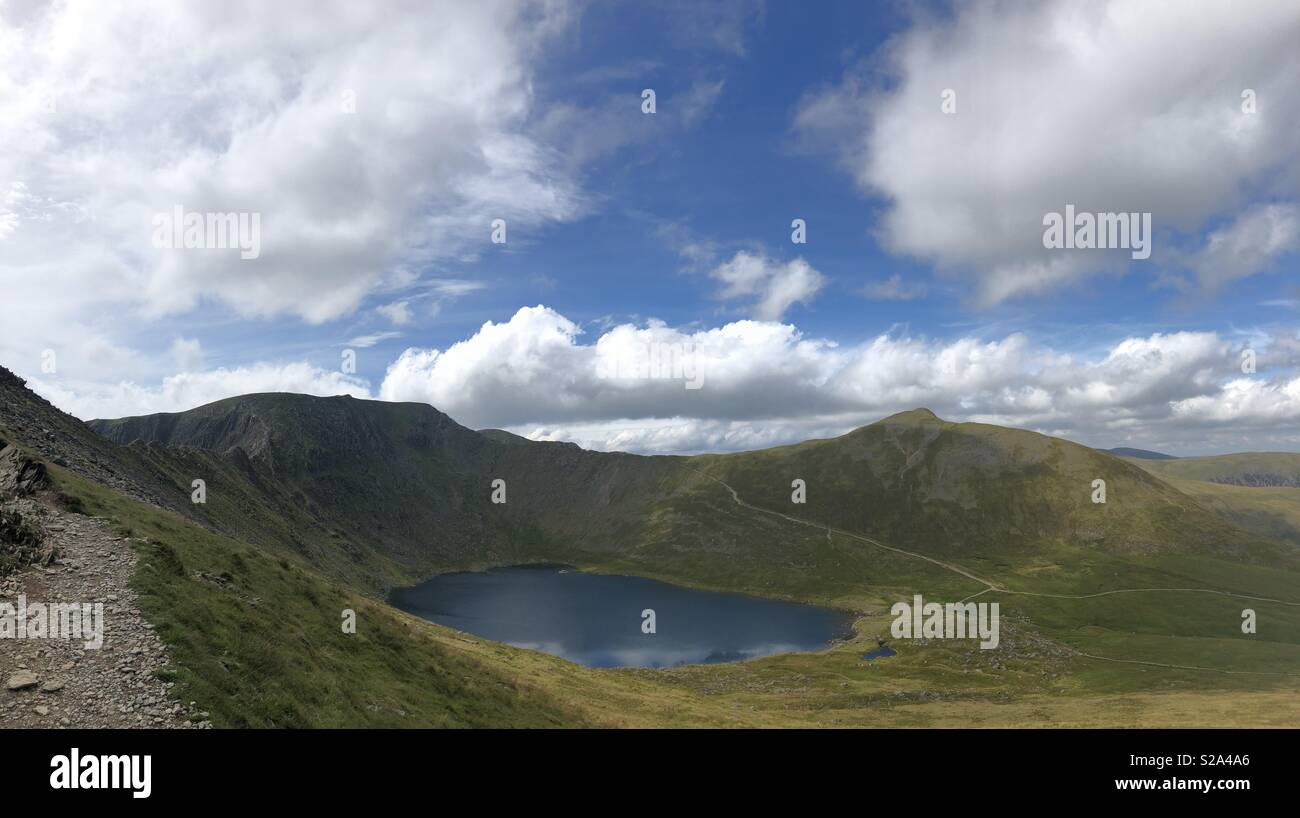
<point x="663" y="227"/>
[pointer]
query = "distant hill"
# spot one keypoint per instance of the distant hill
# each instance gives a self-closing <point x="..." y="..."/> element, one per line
<point x="1247" y="469"/>
<point x="1140" y="454"/>
<point x="1257" y="491"/>
<point x="978" y="490"/>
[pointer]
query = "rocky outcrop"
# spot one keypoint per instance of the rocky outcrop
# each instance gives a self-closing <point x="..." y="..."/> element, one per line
<point x="19" y="475"/>
<point x="21" y="542"/>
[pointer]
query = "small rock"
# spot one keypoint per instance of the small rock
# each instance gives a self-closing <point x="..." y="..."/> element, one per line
<point x="21" y="680"/>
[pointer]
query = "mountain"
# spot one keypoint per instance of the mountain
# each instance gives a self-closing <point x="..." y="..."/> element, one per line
<point x="319" y="505"/>
<point x="968" y="488"/>
<point x="1140" y="454"/>
<point x="251" y="628"/>
<point x="26" y="417"/>
<point x="405" y="491"/>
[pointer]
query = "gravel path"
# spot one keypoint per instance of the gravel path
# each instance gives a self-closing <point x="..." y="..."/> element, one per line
<point x="60" y="682"/>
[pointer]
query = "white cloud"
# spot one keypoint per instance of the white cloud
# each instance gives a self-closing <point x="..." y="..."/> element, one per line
<point x="117" y="111"/>
<point x="1248" y="245"/>
<point x="1104" y="104"/>
<point x="775" y="286"/>
<point x="188" y="354"/>
<point x="1245" y="401"/>
<point x="893" y="289"/>
<point x="399" y="312"/>
<point x="764" y="383"/>
<point x="367" y="341"/>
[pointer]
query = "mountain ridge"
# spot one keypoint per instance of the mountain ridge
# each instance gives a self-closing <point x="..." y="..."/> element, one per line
<point x="397" y="472"/>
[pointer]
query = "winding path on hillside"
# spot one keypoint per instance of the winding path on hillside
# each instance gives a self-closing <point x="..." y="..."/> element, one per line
<point x="993" y="586"/>
<point x="989" y="585"/>
<point x="946" y="565"/>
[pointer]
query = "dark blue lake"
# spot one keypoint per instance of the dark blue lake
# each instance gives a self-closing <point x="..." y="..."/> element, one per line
<point x="596" y="620"/>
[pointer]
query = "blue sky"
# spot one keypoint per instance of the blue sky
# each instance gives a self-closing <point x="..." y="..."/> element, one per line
<point x="636" y="232"/>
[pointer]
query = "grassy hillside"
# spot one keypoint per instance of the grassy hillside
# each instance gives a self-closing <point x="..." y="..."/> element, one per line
<point x="1257" y="492"/>
<point x="397" y="491"/>
<point x="400" y="490"/>
<point x="1257" y="469"/>
<point x="984" y="495"/>
<point x="256" y="641"/>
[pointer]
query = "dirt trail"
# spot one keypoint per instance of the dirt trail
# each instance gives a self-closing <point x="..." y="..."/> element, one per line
<point x="989" y="585"/>
<point x="61" y="682"/>
<point x="947" y="565"/>
<point x="995" y="588"/>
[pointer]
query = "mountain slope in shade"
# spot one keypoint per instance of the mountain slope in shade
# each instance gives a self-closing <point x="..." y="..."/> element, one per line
<point x="1140" y="454"/>
<point x="405" y="482"/>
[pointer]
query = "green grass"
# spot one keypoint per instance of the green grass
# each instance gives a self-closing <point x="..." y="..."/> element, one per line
<point x="1271" y="511"/>
<point x="258" y="644"/>
<point x="1249" y="468"/>
<point x="257" y="639"/>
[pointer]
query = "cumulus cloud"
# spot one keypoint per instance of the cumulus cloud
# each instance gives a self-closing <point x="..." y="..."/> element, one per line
<point x="764" y="383"/>
<point x="775" y="287"/>
<point x="366" y="139"/>
<point x="1104" y="104"/>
